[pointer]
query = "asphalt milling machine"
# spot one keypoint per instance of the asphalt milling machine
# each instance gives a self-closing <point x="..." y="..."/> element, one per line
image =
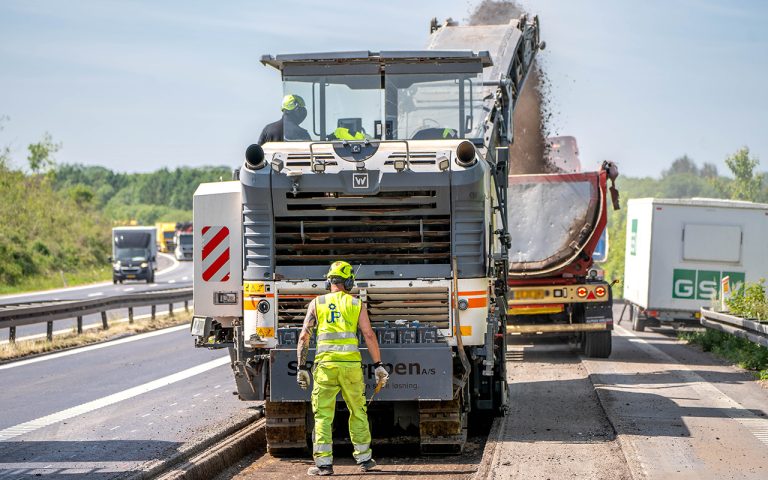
<point x="419" y="201"/>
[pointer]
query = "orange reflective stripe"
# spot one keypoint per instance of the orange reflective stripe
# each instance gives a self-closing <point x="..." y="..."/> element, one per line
<point x="477" y="302"/>
<point x="474" y="292"/>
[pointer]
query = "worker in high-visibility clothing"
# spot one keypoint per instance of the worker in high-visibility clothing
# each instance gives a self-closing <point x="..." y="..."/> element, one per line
<point x="337" y="316"/>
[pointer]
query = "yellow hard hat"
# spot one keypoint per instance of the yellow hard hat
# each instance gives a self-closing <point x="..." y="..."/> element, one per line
<point x="340" y="269"/>
<point x="292" y="102"/>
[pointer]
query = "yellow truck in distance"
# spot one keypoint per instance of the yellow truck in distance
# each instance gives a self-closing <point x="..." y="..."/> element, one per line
<point x="165" y="236"/>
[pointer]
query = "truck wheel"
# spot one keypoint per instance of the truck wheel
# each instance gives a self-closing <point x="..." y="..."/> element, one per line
<point x="638" y="323"/>
<point x="597" y="344"/>
<point x="114" y="281"/>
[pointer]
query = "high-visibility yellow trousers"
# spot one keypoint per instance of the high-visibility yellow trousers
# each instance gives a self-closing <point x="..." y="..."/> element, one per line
<point x="329" y="379"/>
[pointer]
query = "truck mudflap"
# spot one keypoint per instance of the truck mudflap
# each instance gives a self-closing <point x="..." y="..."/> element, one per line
<point x="417" y="372"/>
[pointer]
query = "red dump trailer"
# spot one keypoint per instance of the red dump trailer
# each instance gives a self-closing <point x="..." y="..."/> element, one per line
<point x="555" y="223"/>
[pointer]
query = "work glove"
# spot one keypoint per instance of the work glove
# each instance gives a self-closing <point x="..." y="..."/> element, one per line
<point x="381" y="375"/>
<point x="303" y="379"/>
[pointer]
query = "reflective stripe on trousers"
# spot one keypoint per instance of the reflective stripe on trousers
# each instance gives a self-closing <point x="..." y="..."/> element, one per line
<point x="330" y="378"/>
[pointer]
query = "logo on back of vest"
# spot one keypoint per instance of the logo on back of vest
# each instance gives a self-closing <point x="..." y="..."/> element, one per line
<point x="359" y="180"/>
<point x="334" y="313"/>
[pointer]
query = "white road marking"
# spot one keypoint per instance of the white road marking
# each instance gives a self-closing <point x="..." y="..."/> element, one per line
<point x="171" y="281"/>
<point x="57" y="417"/>
<point x="129" y="289"/>
<point x="114" y="428"/>
<point x="196" y="395"/>
<point x="174" y="265"/>
<point x="754" y="424"/>
<point x="97" y="346"/>
<point x="85" y="327"/>
<point x="97" y="294"/>
<point x="185" y="278"/>
<point x="173" y="404"/>
<point x="146" y="415"/>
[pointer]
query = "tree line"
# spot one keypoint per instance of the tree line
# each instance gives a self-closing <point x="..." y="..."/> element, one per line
<point x="56" y="218"/>
<point x="683" y="179"/>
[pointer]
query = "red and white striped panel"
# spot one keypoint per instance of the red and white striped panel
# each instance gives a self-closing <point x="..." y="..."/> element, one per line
<point x="215" y="253"/>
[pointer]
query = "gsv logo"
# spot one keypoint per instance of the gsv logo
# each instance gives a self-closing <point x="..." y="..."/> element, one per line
<point x="702" y="284"/>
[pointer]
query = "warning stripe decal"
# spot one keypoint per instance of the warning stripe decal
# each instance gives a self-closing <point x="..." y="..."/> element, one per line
<point x="215" y="254"/>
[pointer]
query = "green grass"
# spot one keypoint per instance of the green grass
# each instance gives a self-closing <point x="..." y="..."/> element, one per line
<point x="742" y="352"/>
<point x="54" y="280"/>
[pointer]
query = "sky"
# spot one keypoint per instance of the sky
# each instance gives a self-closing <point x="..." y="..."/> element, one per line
<point x="140" y="85"/>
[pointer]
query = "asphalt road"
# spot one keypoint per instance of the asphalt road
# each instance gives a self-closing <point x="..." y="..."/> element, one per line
<point x="656" y="409"/>
<point x="172" y="274"/>
<point x="104" y="411"/>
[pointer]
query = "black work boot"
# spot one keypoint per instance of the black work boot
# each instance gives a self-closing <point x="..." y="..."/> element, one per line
<point x="316" y="471"/>
<point x="367" y="465"/>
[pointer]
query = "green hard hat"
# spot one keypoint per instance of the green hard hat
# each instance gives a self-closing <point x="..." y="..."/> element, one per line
<point x="340" y="269"/>
<point x="292" y="102"/>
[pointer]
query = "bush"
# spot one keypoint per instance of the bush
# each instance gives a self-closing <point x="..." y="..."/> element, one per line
<point x="744" y="353"/>
<point x="750" y="302"/>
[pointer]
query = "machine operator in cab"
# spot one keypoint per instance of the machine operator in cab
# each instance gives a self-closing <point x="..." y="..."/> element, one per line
<point x="287" y="128"/>
<point x="337" y="316"/>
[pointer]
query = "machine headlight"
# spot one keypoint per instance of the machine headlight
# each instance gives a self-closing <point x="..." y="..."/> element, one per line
<point x="144" y="265"/>
<point x="117" y="265"/>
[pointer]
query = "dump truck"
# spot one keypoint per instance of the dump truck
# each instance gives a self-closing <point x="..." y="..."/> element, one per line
<point x="554" y="287"/>
<point x="678" y="251"/>
<point x="134" y="254"/>
<point x="418" y="203"/>
<point x="556" y="225"/>
<point x="165" y="236"/>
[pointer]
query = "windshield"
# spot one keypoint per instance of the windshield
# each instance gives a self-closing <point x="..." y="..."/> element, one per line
<point x="168" y="235"/>
<point x="185" y="239"/>
<point x="337" y="107"/>
<point x="137" y="254"/>
<point x="435" y="106"/>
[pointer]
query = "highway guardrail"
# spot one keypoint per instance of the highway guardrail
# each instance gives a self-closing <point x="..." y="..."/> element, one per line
<point x="752" y="330"/>
<point x="15" y="315"/>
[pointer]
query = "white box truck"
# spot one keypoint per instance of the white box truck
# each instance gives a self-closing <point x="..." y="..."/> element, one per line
<point x="679" y="250"/>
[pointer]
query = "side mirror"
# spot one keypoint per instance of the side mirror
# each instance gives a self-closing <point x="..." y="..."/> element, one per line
<point x="110" y="259"/>
<point x="615" y="281"/>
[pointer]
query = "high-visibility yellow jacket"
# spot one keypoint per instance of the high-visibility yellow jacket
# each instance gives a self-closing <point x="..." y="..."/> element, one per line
<point x="337" y="316"/>
<point x="343" y="134"/>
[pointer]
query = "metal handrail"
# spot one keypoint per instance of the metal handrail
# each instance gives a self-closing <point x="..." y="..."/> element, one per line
<point x="754" y="331"/>
<point x="12" y="316"/>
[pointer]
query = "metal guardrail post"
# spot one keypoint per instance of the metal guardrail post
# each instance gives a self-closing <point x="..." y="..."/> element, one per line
<point x="154" y="311"/>
<point x="31" y="313"/>
<point x="186" y="305"/>
<point x="49" y="331"/>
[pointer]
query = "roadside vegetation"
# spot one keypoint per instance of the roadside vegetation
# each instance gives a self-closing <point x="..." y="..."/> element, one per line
<point x="749" y="302"/>
<point x="56" y="220"/>
<point x="741" y="352"/>
<point x="26" y="348"/>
